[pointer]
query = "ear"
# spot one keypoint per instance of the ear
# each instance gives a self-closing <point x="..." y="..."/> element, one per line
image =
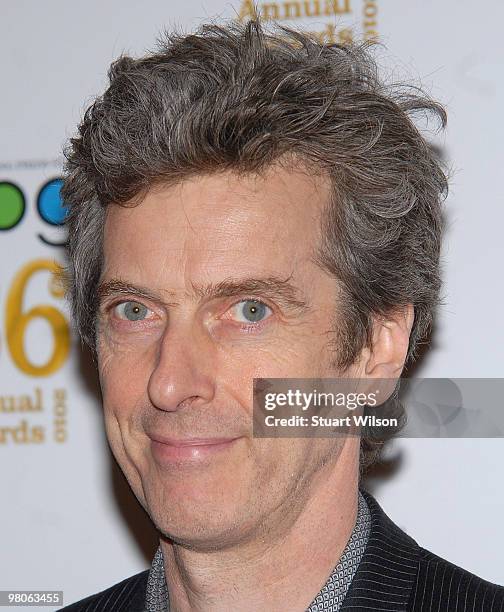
<point x="390" y="341"/>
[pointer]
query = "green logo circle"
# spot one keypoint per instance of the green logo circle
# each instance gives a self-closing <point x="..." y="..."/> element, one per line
<point x="12" y="205"/>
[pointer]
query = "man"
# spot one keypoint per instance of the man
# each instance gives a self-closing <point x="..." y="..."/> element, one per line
<point x="249" y="205"/>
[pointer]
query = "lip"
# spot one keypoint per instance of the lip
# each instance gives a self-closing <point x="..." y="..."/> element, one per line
<point x="168" y="450"/>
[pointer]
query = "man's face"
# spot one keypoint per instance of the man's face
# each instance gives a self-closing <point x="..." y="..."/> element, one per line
<point x="207" y="285"/>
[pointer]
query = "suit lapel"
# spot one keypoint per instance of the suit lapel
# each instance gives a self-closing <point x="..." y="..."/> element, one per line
<point x="388" y="569"/>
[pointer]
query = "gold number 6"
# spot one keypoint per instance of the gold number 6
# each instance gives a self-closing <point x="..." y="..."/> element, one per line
<point x="17" y="321"/>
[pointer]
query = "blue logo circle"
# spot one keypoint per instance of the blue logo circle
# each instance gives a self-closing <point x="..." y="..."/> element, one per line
<point x="49" y="203"/>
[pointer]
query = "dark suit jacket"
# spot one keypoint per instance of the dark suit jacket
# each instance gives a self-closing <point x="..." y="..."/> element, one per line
<point x="395" y="574"/>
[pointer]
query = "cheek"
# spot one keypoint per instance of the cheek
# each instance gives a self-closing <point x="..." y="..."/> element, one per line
<point x="286" y="466"/>
<point x="124" y="362"/>
<point x="295" y="357"/>
<point x="123" y="392"/>
<point x="237" y="368"/>
<point x="124" y="377"/>
<point x="271" y="358"/>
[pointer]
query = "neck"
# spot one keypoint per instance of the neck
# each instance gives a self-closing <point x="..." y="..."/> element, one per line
<point x="284" y="573"/>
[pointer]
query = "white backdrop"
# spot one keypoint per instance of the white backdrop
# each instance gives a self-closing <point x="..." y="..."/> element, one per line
<point x="61" y="494"/>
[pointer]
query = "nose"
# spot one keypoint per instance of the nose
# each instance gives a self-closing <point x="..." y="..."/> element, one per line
<point x="183" y="372"/>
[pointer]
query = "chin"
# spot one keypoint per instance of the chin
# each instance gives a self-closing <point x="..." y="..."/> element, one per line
<point x="201" y="520"/>
<point x="201" y="532"/>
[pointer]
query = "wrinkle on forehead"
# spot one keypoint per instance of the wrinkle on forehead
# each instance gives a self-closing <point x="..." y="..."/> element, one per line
<point x="221" y="225"/>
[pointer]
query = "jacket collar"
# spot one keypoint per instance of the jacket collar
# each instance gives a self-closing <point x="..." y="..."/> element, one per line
<point x="388" y="569"/>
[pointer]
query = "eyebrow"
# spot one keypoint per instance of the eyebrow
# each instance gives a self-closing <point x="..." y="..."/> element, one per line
<point x="277" y="289"/>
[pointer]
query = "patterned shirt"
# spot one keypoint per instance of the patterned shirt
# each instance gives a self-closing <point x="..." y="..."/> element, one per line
<point x="329" y="598"/>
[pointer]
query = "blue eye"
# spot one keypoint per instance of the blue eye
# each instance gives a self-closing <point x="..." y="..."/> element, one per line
<point x="131" y="311"/>
<point x="251" y="311"/>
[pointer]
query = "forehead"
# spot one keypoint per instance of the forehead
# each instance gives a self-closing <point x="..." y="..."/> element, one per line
<point x="215" y="224"/>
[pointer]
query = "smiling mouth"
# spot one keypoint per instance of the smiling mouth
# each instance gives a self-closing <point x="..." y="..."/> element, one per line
<point x="167" y="450"/>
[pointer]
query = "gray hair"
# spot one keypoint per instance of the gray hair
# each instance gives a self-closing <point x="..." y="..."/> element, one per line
<point x="239" y="97"/>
